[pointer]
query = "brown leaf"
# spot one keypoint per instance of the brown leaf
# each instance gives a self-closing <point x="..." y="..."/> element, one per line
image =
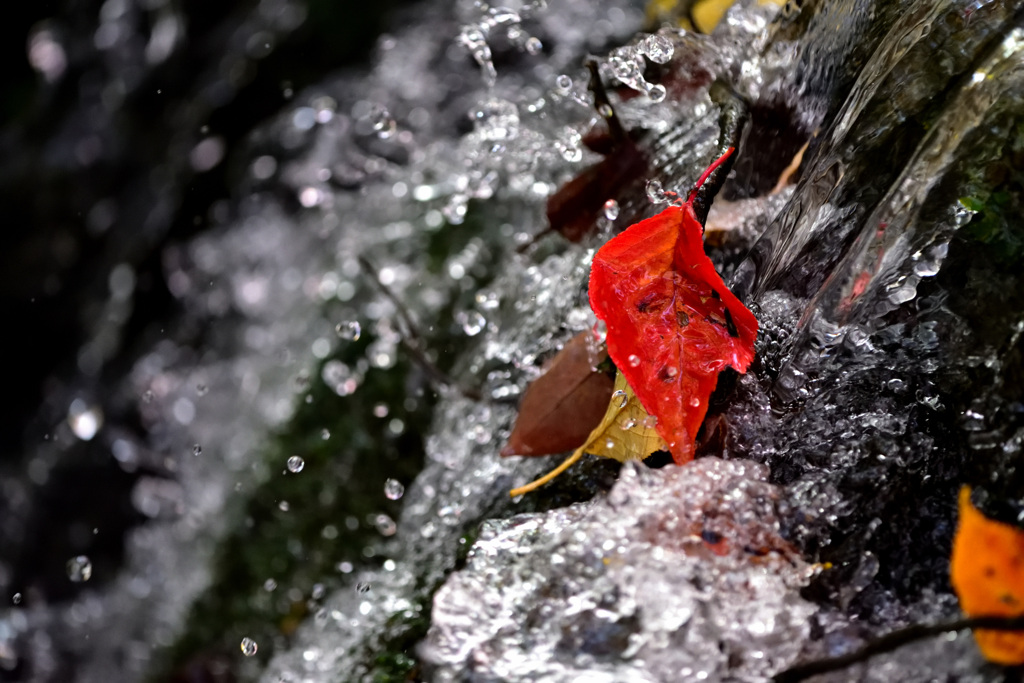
<point x="574" y="209"/>
<point x="626" y="432"/>
<point x="562" y="406"/>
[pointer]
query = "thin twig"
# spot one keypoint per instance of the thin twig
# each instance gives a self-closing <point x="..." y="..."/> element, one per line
<point x="410" y="341"/>
<point x="894" y="640"/>
<point x="403" y="313"/>
<point x="603" y="104"/>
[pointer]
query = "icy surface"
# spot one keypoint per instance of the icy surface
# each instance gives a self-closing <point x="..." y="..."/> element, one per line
<point x="676" y="574"/>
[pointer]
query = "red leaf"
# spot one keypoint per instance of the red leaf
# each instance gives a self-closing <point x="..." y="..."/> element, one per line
<point x="673" y="325"/>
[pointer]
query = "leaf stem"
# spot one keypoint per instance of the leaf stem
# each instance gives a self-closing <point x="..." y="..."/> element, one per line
<point x="537" y="483"/>
<point x="707" y="172"/>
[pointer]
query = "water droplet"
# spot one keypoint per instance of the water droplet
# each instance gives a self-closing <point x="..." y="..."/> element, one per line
<point x="295" y="464"/>
<point x="472" y="322"/>
<point x="79" y="568"/>
<point x="533" y="45"/>
<point x="650" y="421"/>
<point x="658" y="49"/>
<point x="385" y="525"/>
<point x="497" y="119"/>
<point x="569" y="143"/>
<point x="479" y="434"/>
<point x="248" y="647"/>
<point x="283" y="506"/>
<point x="694" y="402"/>
<point x="657" y="93"/>
<point x="362" y="587"/>
<point x="269" y="585"/>
<point x="634" y="360"/>
<point x="627" y="423"/>
<point x="325" y="434"/>
<point x="611" y="209"/>
<point x="609" y="444"/>
<point x="202" y="389"/>
<point x="147" y="396"/>
<point x="310" y="197"/>
<point x="339" y="377"/>
<point x="197" y="449"/>
<point x="655" y="192"/>
<point x="380" y="118"/>
<point x="16" y="598"/>
<point x="454" y="210"/>
<point x="487" y="301"/>
<point x="627" y="65"/>
<point x="620" y="399"/>
<point x="563" y="83"/>
<point x="393" y="489"/>
<point x="474" y="40"/>
<point x="350" y="330"/>
<point x="85" y="420"/>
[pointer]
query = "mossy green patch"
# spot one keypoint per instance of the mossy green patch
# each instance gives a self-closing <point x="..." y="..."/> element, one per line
<point x="296" y="529"/>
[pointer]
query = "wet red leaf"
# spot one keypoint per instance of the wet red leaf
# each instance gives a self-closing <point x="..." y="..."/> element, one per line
<point x="562" y="406"/>
<point x="673" y="325"/>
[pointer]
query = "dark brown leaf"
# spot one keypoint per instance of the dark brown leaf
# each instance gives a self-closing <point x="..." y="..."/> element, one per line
<point x="562" y="406"/>
<point x="573" y="210"/>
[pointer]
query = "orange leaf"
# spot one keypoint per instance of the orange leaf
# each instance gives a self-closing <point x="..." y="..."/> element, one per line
<point x="987" y="571"/>
<point x="562" y="406"/>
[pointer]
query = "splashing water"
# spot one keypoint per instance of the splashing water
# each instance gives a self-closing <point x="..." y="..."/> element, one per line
<point x="692" y="569"/>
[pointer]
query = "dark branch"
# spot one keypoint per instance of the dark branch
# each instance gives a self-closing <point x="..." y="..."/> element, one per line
<point x="894" y="640"/>
<point x="732" y="120"/>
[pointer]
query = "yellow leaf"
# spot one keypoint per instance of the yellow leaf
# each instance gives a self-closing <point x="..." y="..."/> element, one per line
<point x="987" y="573"/>
<point x="699" y="15"/>
<point x="626" y="432"/>
<point x="708" y="13"/>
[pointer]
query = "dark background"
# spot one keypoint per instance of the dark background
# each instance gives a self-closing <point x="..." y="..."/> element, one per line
<point x="95" y="171"/>
<point x="85" y="186"/>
